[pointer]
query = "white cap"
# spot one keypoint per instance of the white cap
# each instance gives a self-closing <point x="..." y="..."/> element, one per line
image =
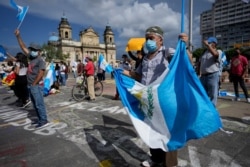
<point x="171" y="51"/>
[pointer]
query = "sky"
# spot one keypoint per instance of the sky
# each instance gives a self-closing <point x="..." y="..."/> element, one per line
<point x="127" y="18"/>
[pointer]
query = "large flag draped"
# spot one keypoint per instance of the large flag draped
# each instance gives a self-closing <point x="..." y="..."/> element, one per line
<point x="173" y="109"/>
<point x="2" y="53"/>
<point x="49" y="79"/>
<point x="104" y="65"/>
<point x="21" y="10"/>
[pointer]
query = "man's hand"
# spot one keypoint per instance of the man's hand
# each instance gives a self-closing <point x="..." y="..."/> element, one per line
<point x="206" y="43"/>
<point x="17" y="32"/>
<point x="183" y="37"/>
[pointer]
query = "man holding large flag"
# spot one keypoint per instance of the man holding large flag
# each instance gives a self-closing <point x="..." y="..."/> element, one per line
<point x="152" y="67"/>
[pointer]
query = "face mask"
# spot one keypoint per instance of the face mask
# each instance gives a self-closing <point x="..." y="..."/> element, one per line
<point x="151" y="46"/>
<point x="34" y="53"/>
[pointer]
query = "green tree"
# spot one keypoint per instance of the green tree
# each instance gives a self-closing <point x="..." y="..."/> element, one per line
<point x="198" y="52"/>
<point x="53" y="53"/>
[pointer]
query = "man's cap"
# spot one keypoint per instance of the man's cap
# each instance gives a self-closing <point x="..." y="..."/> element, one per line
<point x="35" y="47"/>
<point x="171" y="51"/>
<point x="89" y="57"/>
<point x="156" y="30"/>
<point x="124" y="56"/>
<point x="212" y="40"/>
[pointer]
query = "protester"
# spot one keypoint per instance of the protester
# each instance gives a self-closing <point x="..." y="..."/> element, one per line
<point x="21" y="84"/>
<point x="74" y="71"/>
<point x="146" y="73"/>
<point x="209" y="66"/>
<point x="57" y="71"/>
<point x="125" y="65"/>
<point x="80" y="68"/>
<point x="239" y="70"/>
<point x="137" y="58"/>
<point x="10" y="76"/>
<point x="90" y="72"/>
<point x="103" y="75"/>
<point x="63" y="73"/>
<point x="35" y="75"/>
<point x="99" y="74"/>
<point x="2" y="72"/>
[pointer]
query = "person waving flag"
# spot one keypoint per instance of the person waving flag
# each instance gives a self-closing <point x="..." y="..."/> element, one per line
<point x="21" y="11"/>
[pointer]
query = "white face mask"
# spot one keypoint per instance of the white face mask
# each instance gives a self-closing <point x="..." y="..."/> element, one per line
<point x="34" y="53"/>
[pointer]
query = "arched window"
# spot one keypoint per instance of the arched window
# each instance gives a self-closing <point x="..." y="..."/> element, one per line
<point x="110" y="40"/>
<point x="66" y="34"/>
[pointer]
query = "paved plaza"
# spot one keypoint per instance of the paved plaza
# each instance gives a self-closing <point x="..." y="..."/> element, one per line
<point x="100" y="134"/>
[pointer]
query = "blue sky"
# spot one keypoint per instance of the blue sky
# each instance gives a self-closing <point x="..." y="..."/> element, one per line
<point x="127" y="18"/>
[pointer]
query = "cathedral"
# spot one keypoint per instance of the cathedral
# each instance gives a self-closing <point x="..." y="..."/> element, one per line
<point x="89" y="43"/>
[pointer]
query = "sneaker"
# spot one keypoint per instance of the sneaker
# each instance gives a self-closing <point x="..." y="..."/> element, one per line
<point x="236" y="99"/>
<point x="26" y="104"/>
<point x="35" y="122"/>
<point x="42" y="125"/>
<point x="248" y="100"/>
<point x="150" y="163"/>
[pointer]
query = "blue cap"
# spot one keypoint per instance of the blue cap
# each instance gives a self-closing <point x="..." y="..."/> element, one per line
<point x="212" y="39"/>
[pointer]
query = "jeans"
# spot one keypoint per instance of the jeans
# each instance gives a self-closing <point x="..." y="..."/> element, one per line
<point x="210" y="84"/>
<point x="36" y="95"/>
<point x="238" y="79"/>
<point x="63" y="79"/>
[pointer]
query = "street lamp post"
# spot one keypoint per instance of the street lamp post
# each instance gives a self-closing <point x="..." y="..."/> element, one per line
<point x="190" y="25"/>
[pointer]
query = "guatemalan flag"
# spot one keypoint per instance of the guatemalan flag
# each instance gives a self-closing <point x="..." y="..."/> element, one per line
<point x="2" y="53"/>
<point x="104" y="65"/>
<point x="173" y="109"/>
<point x="49" y="79"/>
<point x="21" y="10"/>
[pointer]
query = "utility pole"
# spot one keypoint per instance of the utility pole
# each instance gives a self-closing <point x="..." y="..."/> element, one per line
<point x="190" y="25"/>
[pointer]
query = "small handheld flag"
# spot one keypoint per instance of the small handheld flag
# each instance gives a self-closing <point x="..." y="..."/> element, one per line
<point x="21" y="11"/>
<point x="2" y="53"/>
<point x="104" y="65"/>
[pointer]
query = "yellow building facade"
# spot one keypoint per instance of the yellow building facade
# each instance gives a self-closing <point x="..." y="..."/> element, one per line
<point x="89" y="43"/>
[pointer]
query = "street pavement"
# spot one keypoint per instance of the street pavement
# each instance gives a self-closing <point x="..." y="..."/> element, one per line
<point x="100" y="134"/>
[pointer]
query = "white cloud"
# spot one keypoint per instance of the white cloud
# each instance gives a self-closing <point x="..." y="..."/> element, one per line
<point x="127" y="18"/>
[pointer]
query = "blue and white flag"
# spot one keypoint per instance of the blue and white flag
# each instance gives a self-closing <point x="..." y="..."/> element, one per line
<point x="104" y="65"/>
<point x="21" y="10"/>
<point x="50" y="79"/>
<point x="246" y="1"/>
<point x="173" y="109"/>
<point x="3" y="54"/>
<point x="224" y="59"/>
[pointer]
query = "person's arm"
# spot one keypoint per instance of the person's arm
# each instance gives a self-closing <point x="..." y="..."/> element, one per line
<point x="184" y="38"/>
<point x="12" y="58"/>
<point x="21" y="43"/>
<point x="17" y="68"/>
<point x="132" y="74"/>
<point x="245" y="67"/>
<point x="212" y="50"/>
<point x="132" y="56"/>
<point x="39" y="77"/>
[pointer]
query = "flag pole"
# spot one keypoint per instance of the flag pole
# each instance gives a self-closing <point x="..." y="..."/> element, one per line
<point x="182" y="16"/>
<point x="190" y="25"/>
<point x="19" y="25"/>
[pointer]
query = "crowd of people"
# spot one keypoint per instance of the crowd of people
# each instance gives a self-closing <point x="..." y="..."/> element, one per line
<point x="149" y="63"/>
